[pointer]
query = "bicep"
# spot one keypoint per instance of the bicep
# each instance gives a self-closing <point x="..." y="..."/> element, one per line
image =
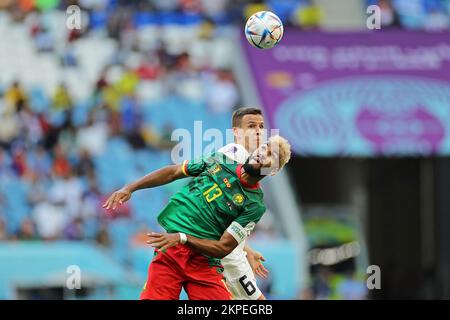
<point x="241" y="227"/>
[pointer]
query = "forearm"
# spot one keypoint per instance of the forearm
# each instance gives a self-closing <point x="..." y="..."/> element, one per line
<point x="248" y="249"/>
<point x="212" y="248"/>
<point x="156" y="178"/>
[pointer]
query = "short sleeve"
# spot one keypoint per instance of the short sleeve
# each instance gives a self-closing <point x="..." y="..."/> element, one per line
<point x="195" y="167"/>
<point x="241" y="227"/>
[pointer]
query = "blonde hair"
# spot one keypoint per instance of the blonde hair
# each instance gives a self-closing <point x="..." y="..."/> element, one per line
<point x="284" y="149"/>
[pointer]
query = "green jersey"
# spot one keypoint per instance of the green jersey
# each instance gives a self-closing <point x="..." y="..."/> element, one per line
<point x="216" y="200"/>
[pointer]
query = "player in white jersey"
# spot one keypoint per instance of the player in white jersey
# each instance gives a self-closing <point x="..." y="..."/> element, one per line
<point x="238" y="271"/>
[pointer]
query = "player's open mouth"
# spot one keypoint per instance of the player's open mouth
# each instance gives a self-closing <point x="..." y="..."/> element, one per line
<point x="259" y="159"/>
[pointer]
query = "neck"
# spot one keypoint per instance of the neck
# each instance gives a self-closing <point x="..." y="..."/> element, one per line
<point x="250" y="179"/>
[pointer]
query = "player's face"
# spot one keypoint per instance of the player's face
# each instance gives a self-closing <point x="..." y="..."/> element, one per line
<point x="250" y="132"/>
<point x="264" y="157"/>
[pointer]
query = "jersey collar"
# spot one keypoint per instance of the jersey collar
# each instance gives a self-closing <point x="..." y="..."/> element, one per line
<point x="243" y="182"/>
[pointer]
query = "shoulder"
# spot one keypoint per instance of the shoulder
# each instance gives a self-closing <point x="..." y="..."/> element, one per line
<point x="235" y="152"/>
<point x="255" y="203"/>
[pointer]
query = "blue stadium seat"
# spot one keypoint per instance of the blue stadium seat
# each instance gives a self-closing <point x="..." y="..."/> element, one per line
<point x="166" y="18"/>
<point x="283" y="8"/>
<point x="16" y="207"/>
<point x="98" y="19"/>
<point x="39" y="102"/>
<point x="80" y="114"/>
<point x="141" y="19"/>
<point x="121" y="230"/>
<point x="192" y="19"/>
<point x="141" y="257"/>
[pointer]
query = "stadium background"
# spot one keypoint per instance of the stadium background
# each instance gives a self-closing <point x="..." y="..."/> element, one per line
<point x="84" y="111"/>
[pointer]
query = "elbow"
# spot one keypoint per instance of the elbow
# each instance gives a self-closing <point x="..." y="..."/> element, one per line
<point x="220" y="255"/>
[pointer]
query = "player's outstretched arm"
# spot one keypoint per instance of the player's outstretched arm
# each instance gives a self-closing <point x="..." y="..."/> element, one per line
<point x="255" y="260"/>
<point x="213" y="248"/>
<point x="156" y="178"/>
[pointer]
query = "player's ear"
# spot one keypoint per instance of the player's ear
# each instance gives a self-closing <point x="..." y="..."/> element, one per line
<point x="237" y="133"/>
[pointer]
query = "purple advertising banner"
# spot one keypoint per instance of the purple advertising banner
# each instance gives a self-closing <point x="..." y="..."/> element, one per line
<point x="357" y="94"/>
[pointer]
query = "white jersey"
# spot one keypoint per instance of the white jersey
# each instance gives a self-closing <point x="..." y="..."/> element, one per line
<point x="238" y="273"/>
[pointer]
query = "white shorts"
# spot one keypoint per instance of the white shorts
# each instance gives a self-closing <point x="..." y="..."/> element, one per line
<point x="239" y="275"/>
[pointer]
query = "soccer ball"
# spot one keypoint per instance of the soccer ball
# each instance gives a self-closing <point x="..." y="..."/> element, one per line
<point x="264" y="30"/>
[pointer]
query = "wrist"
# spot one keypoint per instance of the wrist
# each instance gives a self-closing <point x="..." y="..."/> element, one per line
<point x="248" y="250"/>
<point x="183" y="237"/>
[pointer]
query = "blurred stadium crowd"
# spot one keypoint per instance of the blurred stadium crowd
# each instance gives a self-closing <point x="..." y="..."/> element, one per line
<point x="84" y="111"/>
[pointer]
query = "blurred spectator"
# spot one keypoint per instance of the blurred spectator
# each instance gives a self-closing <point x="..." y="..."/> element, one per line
<point x="307" y="15"/>
<point x="130" y="113"/>
<point x="19" y="162"/>
<point x="93" y="136"/>
<point x="74" y="230"/>
<point x="38" y="191"/>
<point x="85" y="164"/>
<point x="27" y="230"/>
<point x="49" y="218"/>
<point x="61" y="165"/>
<point x="3" y="232"/>
<point x="68" y="192"/>
<point x="67" y="139"/>
<point x="148" y="70"/>
<point x="128" y="82"/>
<point x="5" y="166"/>
<point x="321" y="286"/>
<point x="157" y="141"/>
<point x="213" y="8"/>
<point x="101" y="82"/>
<point x="15" y="97"/>
<point x="26" y="5"/>
<point x="40" y="162"/>
<point x="9" y="130"/>
<point x="135" y="138"/>
<point x="223" y="94"/>
<point x="103" y="238"/>
<point x="68" y="57"/>
<point x="30" y="125"/>
<point x="389" y="17"/>
<point x="91" y="202"/>
<point x="62" y="99"/>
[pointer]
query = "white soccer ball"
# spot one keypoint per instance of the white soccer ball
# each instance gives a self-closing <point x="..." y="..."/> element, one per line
<point x="264" y="30"/>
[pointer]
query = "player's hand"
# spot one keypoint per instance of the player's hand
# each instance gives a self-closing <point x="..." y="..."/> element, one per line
<point x="255" y="259"/>
<point x="117" y="198"/>
<point x="163" y="241"/>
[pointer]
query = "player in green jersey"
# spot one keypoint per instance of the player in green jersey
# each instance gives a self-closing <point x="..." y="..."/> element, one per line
<point x="211" y="216"/>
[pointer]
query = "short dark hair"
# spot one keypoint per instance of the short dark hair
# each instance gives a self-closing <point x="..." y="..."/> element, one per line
<point x="241" y="112"/>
